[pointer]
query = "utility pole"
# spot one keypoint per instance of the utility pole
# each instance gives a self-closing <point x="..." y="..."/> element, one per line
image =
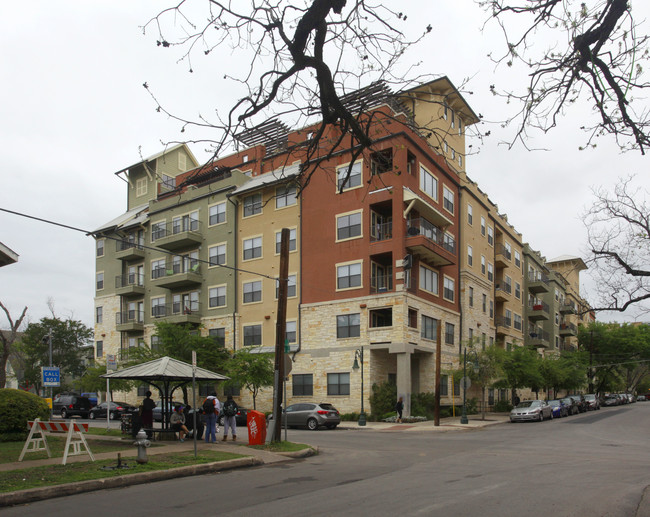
<point x="280" y="332"/>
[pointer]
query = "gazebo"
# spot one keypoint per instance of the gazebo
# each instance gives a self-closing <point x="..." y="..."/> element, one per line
<point x="167" y="375"/>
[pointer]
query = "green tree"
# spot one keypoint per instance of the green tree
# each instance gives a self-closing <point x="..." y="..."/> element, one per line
<point x="69" y="338"/>
<point x="252" y="370"/>
<point x="520" y="369"/>
<point x="91" y="381"/>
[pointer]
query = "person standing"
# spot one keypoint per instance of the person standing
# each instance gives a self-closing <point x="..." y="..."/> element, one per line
<point x="399" y="407"/>
<point x="147" y="411"/>
<point x="230" y="409"/>
<point x="211" y="408"/>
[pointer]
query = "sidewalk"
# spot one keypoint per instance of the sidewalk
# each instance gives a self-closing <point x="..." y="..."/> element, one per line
<point x="446" y="424"/>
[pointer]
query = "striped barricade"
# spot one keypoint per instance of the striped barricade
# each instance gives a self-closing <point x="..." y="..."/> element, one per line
<point x="37" y="440"/>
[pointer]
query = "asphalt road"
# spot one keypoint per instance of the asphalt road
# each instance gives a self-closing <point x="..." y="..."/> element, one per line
<point x="594" y="464"/>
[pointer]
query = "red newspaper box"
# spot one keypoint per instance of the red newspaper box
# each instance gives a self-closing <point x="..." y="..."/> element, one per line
<point x="256" y="427"/>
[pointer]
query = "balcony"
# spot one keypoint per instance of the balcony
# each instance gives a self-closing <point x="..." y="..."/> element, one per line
<point x="538" y="283"/>
<point x="381" y="283"/>
<point x="127" y="250"/>
<point x="430" y="242"/>
<point x="129" y="285"/>
<point x="538" y="311"/>
<point x="568" y="308"/>
<point x="178" y="312"/>
<point x="502" y="256"/>
<point x="177" y="276"/>
<point x="177" y="235"/>
<point x="503" y="325"/>
<point x="381" y="232"/>
<point x="539" y="338"/>
<point x="502" y="292"/>
<point x="129" y="321"/>
<point x="568" y="329"/>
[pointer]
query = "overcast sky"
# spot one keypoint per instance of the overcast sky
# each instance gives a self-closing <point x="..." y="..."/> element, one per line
<point x="74" y="111"/>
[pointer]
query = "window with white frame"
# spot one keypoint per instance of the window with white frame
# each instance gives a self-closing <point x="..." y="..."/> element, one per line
<point x="470" y="214"/>
<point x="471" y="297"/>
<point x="99" y="346"/>
<point x="344" y="181"/>
<point x="291" y="287"/>
<point x="158" y="268"/>
<point x="483" y="226"/>
<point x="100" y="247"/>
<point x="428" y="280"/>
<point x="99" y="314"/>
<point x="449" y="333"/>
<point x="448" y="199"/>
<point x="217" y="296"/>
<point x="348" y="276"/>
<point x="292" y="240"/>
<point x="348" y="325"/>
<point x="348" y="226"/>
<point x="141" y="187"/>
<point x="291" y="333"/>
<point x="253" y="291"/>
<point x="252" y="248"/>
<point x="517" y="321"/>
<point x="470" y="256"/>
<point x="100" y="280"/>
<point x="285" y="196"/>
<point x="517" y="290"/>
<point x="217" y="214"/>
<point x="482" y="264"/>
<point x="252" y="205"/>
<point x="158" y="309"/>
<point x="158" y="230"/>
<point x="517" y="259"/>
<point x="217" y="255"/>
<point x="252" y="335"/>
<point x="429" y="327"/>
<point x="490" y="272"/>
<point x="428" y="183"/>
<point x="449" y="288"/>
<point x="490" y="236"/>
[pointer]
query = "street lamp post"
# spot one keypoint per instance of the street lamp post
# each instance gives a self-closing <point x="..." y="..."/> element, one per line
<point x="359" y="354"/>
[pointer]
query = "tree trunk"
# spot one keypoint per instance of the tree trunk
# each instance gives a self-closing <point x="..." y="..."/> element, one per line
<point x="7" y="339"/>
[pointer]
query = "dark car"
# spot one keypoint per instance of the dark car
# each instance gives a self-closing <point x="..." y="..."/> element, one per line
<point x="240" y="417"/>
<point x="116" y="411"/>
<point x="583" y="405"/>
<point x="310" y="415"/>
<point x="593" y="401"/>
<point x="572" y="405"/>
<point x="560" y="409"/>
<point x="157" y="411"/>
<point x="71" y="405"/>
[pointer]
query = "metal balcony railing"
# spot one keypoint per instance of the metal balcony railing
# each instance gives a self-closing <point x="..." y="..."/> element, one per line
<point x="130" y="279"/>
<point x="381" y="232"/>
<point x="431" y="232"/>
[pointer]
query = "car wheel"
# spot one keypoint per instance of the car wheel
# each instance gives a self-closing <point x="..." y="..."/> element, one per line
<point x="64" y="413"/>
<point x="312" y="424"/>
<point x="552" y="415"/>
<point x="541" y="417"/>
<point x="112" y="416"/>
<point x="512" y="421"/>
<point x="221" y="421"/>
<point x="91" y="416"/>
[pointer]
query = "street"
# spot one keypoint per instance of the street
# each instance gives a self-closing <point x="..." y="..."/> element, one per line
<point x="593" y="464"/>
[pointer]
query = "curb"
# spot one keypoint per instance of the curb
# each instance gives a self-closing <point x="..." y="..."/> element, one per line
<point x="38" y="494"/>
<point x="303" y="453"/>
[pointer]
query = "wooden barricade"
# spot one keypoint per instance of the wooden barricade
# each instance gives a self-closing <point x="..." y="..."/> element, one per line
<point x="37" y="440"/>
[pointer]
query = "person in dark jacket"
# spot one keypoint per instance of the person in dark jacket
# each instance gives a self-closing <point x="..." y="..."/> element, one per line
<point x="229" y="411"/>
<point x="399" y="407"/>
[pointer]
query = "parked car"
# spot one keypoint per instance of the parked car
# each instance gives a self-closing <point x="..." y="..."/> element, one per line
<point x="593" y="401"/>
<point x="71" y="405"/>
<point x="92" y="397"/>
<point x="157" y="411"/>
<point x="117" y="409"/>
<point x="531" y="410"/>
<point x="611" y="400"/>
<point x="560" y="409"/>
<point x="582" y="404"/>
<point x="240" y="417"/>
<point x="572" y="405"/>
<point x="310" y="415"/>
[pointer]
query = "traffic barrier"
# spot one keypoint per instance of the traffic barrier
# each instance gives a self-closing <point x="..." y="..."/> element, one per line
<point x="37" y="440"/>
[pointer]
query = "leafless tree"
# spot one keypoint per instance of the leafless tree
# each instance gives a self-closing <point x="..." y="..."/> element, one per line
<point x="299" y="60"/>
<point x="618" y="228"/>
<point x="7" y="339"/>
<point x="574" y="50"/>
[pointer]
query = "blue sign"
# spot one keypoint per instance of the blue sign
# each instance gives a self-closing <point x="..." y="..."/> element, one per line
<point x="51" y="376"/>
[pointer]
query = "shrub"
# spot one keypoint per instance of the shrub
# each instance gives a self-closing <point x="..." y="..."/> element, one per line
<point x="350" y="417"/>
<point x="16" y="408"/>
<point x="502" y="406"/>
<point x="383" y="398"/>
<point x="423" y="404"/>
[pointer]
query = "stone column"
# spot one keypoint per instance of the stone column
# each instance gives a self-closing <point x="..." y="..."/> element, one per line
<point x="404" y="379"/>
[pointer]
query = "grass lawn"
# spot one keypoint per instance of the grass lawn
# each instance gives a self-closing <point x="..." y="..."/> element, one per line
<point x="51" y="475"/>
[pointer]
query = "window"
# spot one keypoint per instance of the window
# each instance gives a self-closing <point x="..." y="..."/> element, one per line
<point x="428" y="280"/>
<point x="285" y="196"/>
<point x="217" y="296"/>
<point x="445" y="112"/>
<point x="252" y="205"/>
<point x="491" y="308"/>
<point x="453" y="119"/>
<point x="470" y="258"/>
<point x="381" y="161"/>
<point x="290" y="332"/>
<point x="508" y="248"/>
<point x="99" y="349"/>
<point x="158" y="268"/>
<point x="253" y="291"/>
<point x="460" y="160"/>
<point x="185" y="223"/>
<point x="141" y="187"/>
<point x="348" y="325"/>
<point x="99" y="314"/>
<point x="471" y="297"/>
<point x="100" y="280"/>
<point x="252" y="335"/>
<point x="348" y="226"/>
<point x="158" y="308"/>
<point x="348" y="276"/>
<point x="158" y="230"/>
<point x="449" y="287"/>
<point x="168" y="182"/>
<point x="217" y="214"/>
<point x="490" y="272"/>
<point x="444" y="385"/>
<point x="508" y="317"/>
<point x="303" y="385"/>
<point x="470" y="216"/>
<point x="354" y="180"/>
<point x="142" y="390"/>
<point x="517" y="259"/>
<point x="291" y="287"/>
<point x="100" y="248"/>
<point x="252" y="248"/>
<point x="482" y="264"/>
<point x="517" y="290"/>
<point x="449" y="334"/>
<point x="428" y="183"/>
<point x="456" y="387"/>
<point x="338" y="383"/>
<point x="429" y="328"/>
<point x="219" y="336"/>
<point x="413" y="318"/>
<point x="557" y="318"/>
<point x="217" y="255"/>
<point x="483" y="226"/>
<point x="460" y="126"/>
<point x="517" y="321"/>
<point x="471" y="334"/>
<point x="381" y="317"/>
<point x="292" y="240"/>
<point x="484" y="303"/>
<point x="490" y="236"/>
<point x="410" y="162"/>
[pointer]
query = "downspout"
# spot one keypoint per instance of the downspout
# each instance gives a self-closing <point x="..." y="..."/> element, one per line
<point x="235" y="239"/>
<point x="460" y="232"/>
<point x="299" y="324"/>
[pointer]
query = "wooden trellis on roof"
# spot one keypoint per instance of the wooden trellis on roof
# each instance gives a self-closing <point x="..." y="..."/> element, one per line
<point x="272" y="133"/>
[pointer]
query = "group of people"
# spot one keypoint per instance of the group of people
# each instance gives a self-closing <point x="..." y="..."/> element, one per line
<point x="212" y="408"/>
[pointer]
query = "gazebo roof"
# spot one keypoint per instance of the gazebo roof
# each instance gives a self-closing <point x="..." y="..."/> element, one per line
<point x="165" y="369"/>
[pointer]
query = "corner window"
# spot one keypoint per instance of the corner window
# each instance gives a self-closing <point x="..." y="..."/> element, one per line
<point x="348" y="276"/>
<point x="381" y="317"/>
<point x="381" y="161"/>
<point x="413" y="318"/>
<point x="252" y="205"/>
<point x="348" y="325"/>
<point x="344" y="181"/>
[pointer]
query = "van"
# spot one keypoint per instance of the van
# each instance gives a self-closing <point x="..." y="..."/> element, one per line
<point x="71" y="405"/>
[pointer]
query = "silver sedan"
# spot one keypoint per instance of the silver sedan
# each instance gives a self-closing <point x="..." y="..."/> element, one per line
<point x="535" y="410"/>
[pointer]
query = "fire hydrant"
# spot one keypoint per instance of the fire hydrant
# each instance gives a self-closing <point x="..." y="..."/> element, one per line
<point x="142" y="443"/>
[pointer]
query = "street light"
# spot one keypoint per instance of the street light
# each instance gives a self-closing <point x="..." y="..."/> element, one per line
<point x="463" y="416"/>
<point x="359" y="354"/>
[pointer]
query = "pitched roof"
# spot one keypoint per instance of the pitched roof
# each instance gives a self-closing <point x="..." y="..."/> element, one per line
<point x="165" y="368"/>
